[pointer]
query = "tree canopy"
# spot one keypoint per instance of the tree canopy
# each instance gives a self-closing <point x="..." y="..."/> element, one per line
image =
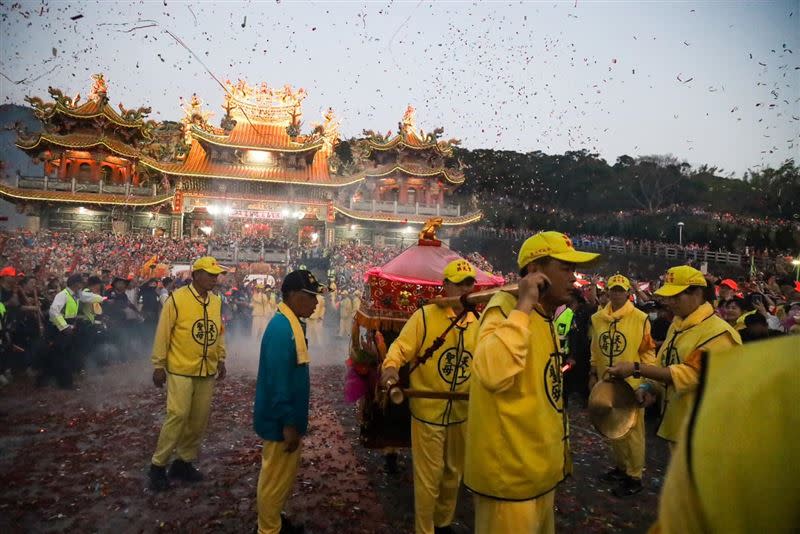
<point x="641" y="197"/>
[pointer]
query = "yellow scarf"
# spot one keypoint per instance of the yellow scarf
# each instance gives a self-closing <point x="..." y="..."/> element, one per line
<point x="740" y="324"/>
<point x="703" y="312"/>
<point x="620" y="313"/>
<point x="297" y="333"/>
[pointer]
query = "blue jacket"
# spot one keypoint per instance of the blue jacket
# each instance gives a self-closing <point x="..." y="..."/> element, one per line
<point x="283" y="387"/>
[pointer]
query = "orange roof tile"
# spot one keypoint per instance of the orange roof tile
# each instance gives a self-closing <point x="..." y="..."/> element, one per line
<point x="406" y="218"/>
<point x="91" y="109"/>
<point x="76" y="140"/>
<point x="257" y="136"/>
<point x="81" y="198"/>
<point x="451" y="175"/>
<point x="409" y="141"/>
<point x="198" y="164"/>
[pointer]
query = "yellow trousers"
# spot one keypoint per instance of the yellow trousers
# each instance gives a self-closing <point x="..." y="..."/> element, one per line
<point x="535" y="516"/>
<point x="628" y="451"/>
<point x="259" y="325"/>
<point x="314" y="331"/>
<point x="345" y="326"/>
<point x="438" y="455"/>
<point x="275" y="481"/>
<point x="188" y="407"/>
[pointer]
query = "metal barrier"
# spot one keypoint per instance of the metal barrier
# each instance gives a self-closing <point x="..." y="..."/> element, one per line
<point x="671" y="252"/>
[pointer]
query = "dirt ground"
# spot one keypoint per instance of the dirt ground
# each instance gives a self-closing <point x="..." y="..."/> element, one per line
<point x="76" y="461"/>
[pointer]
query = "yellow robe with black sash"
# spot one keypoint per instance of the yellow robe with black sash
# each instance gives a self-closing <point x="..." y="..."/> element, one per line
<point x="517" y="432"/>
<point x="189" y="337"/>
<point x="447" y="370"/>
<point x="680" y="353"/>
<point x="736" y="467"/>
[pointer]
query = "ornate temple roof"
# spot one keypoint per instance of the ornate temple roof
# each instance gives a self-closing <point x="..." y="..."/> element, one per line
<point x="95" y="106"/>
<point x="403" y="218"/>
<point x="198" y="164"/>
<point x="257" y="137"/>
<point x="422" y="171"/>
<point x="80" y="141"/>
<point x="409" y="136"/>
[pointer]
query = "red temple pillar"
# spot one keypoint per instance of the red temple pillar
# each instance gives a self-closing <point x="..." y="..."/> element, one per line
<point x="403" y="199"/>
<point x="62" y="168"/>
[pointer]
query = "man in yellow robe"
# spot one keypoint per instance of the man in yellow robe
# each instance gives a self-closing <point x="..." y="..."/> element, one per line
<point x="517" y="448"/>
<point x="620" y="332"/>
<point x="437" y="425"/>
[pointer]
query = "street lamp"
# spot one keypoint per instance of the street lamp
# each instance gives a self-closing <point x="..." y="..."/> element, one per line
<point x="680" y="233"/>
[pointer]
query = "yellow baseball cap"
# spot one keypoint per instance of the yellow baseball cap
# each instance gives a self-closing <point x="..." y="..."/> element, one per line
<point x="679" y="279"/>
<point x="208" y="264"/>
<point x="553" y="244"/>
<point x="618" y="281"/>
<point x="459" y="270"/>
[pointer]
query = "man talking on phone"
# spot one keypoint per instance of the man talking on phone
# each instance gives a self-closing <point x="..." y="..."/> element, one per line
<point x="517" y="445"/>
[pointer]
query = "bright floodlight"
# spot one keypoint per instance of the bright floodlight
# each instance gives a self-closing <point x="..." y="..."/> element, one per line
<point x="257" y="157"/>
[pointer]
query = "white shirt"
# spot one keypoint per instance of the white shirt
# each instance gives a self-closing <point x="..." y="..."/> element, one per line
<point x="60" y="301"/>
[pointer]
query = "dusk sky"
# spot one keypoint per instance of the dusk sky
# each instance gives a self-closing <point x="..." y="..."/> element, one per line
<point x="715" y="83"/>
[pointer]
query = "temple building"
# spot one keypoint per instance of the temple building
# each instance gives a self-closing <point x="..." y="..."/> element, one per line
<point x="256" y="173"/>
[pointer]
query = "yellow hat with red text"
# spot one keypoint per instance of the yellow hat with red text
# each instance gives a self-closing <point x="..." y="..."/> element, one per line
<point x="553" y="244"/>
<point x="618" y="281"/>
<point x="459" y="270"/>
<point x="679" y="279"/>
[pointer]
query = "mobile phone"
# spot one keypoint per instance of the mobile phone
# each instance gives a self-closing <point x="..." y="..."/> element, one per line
<point x="545" y="285"/>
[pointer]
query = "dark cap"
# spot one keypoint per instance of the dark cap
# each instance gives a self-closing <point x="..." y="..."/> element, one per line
<point x="302" y="280"/>
<point x="120" y="279"/>
<point x="74" y="279"/>
<point x="93" y="281"/>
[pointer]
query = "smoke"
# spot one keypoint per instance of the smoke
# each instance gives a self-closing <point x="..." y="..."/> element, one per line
<point x="113" y="377"/>
<point x="325" y="347"/>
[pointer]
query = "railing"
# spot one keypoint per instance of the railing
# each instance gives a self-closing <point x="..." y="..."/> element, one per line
<point x="673" y="252"/>
<point x="669" y="251"/>
<point x="395" y="208"/>
<point x="235" y="254"/>
<point x="54" y="184"/>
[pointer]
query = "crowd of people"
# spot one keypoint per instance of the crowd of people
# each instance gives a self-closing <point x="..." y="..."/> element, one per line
<point x="93" y="313"/>
<point x="626" y="225"/>
<point x="50" y="253"/>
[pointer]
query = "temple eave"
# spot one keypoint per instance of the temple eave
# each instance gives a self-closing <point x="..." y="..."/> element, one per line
<point x="15" y="193"/>
<point x="402" y="218"/>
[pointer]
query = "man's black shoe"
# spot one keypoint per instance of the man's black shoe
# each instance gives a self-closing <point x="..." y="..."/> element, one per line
<point x="444" y="530"/>
<point x="158" y="478"/>
<point x="184" y="471"/>
<point x="615" y="475"/>
<point x="288" y="528"/>
<point x="629" y="486"/>
<point x="390" y="463"/>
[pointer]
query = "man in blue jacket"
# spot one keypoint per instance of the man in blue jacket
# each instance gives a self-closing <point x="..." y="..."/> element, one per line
<point x="280" y="415"/>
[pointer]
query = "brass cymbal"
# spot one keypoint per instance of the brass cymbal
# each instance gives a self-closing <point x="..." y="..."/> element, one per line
<point x="612" y="408"/>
